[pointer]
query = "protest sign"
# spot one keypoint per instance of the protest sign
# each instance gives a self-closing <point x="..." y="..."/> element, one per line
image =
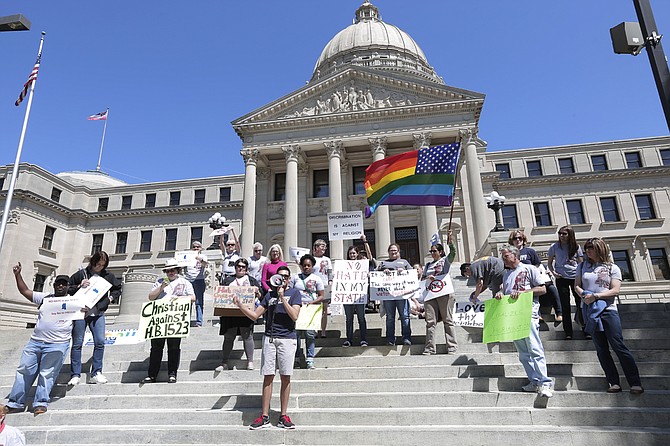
<point x="165" y="318"/>
<point x="63" y="308"/>
<point x="309" y="317"/>
<point x="467" y="314"/>
<point x="186" y="258"/>
<point x="223" y="296"/>
<point x="126" y="336"/>
<point x="350" y="282"/>
<point x="508" y="319"/>
<point x="90" y="295"/>
<point x="391" y="285"/>
<point x="296" y="253"/>
<point x="345" y="225"/>
<point x="439" y="286"/>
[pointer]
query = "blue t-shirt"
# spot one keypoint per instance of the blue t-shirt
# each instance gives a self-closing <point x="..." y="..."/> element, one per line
<point x="565" y="265"/>
<point x="278" y="324"/>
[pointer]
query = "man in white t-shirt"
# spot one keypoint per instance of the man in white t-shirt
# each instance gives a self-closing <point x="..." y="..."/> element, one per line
<point x="44" y="353"/>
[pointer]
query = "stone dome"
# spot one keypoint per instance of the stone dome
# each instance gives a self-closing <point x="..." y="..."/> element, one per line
<point x="372" y="43"/>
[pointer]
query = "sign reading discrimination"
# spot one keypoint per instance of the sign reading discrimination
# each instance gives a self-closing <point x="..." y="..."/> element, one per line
<point x="467" y="314"/>
<point x="345" y="225"/>
<point x="165" y="318"/>
<point x="508" y="319"/>
<point x="393" y="285"/>
<point x="186" y="258"/>
<point x="350" y="282"/>
<point x="439" y="286"/>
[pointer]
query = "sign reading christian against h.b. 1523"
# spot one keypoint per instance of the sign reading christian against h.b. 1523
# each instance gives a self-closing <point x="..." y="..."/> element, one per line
<point x="165" y="318"/>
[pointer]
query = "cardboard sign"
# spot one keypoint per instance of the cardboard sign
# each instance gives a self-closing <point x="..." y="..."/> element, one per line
<point x="345" y="225"/>
<point x="296" y="253"/>
<point x="350" y="282"/>
<point x="223" y="296"/>
<point x="186" y="258"/>
<point x="467" y="314"/>
<point x="309" y="317"/>
<point x="165" y="318"/>
<point x="64" y="308"/>
<point x="440" y="286"/>
<point x="393" y="285"/>
<point x="508" y="319"/>
<point x="96" y="290"/>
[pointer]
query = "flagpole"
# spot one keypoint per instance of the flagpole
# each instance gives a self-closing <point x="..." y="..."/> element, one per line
<point x="15" y="170"/>
<point x="104" y="130"/>
<point x="459" y="164"/>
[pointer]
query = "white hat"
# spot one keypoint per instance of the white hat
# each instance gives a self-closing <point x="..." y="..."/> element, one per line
<point x="170" y="263"/>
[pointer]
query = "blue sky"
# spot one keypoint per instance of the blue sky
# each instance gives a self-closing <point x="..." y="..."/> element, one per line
<point x="175" y="74"/>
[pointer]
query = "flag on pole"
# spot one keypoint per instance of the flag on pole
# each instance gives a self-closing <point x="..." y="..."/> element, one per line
<point x="435" y="239"/>
<point x="423" y="177"/>
<point x="102" y="116"/>
<point x="31" y="79"/>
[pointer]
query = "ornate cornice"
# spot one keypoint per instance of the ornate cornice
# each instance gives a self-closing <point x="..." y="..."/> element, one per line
<point x="334" y="149"/>
<point x="421" y="140"/>
<point x="582" y="177"/>
<point x="292" y="152"/>
<point x="250" y="156"/>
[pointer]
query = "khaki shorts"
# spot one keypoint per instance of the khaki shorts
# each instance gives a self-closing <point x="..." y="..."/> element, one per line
<point x="278" y="355"/>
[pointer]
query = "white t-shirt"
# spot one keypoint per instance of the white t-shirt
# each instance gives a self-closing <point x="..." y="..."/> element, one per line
<point x="256" y="266"/>
<point x="597" y="278"/>
<point x="228" y="267"/>
<point x="46" y="329"/>
<point x="11" y="436"/>
<point x="196" y="272"/>
<point x="309" y="286"/>
<point x="323" y="268"/>
<point x="178" y="287"/>
<point x="522" y="278"/>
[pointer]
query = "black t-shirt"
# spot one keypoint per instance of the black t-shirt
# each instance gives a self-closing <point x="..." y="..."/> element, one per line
<point x="278" y="324"/>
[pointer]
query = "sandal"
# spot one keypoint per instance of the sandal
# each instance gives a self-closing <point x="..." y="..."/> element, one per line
<point x="614" y="388"/>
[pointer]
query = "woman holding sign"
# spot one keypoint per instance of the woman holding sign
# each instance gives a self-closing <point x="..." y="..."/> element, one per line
<point x="311" y="291"/>
<point x="231" y="326"/>
<point x="352" y="254"/>
<point x="439" y="306"/>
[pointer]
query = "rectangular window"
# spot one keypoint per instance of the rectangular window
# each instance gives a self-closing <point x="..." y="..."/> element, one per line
<point x="359" y="180"/>
<point x="665" y="157"/>
<point x="280" y="187"/>
<point x="175" y="198"/>
<point x="196" y="234"/>
<point x="633" y="160"/>
<point x="599" y="162"/>
<point x="150" y="201"/>
<point x="55" y="194"/>
<point x="171" y="239"/>
<point x="659" y="263"/>
<point x="408" y="241"/>
<point x="534" y="168"/>
<point x="321" y="183"/>
<point x="103" y="204"/>
<point x="96" y="246"/>
<point x="610" y="209"/>
<point x="40" y="280"/>
<point x="622" y="260"/>
<point x="575" y="212"/>
<point x="126" y="201"/>
<point x="566" y="165"/>
<point x="199" y="196"/>
<point x="2" y="183"/>
<point x="121" y="242"/>
<point x="542" y="216"/>
<point x="503" y="169"/>
<point x="510" y="219"/>
<point x="48" y="238"/>
<point x="645" y="207"/>
<point x="145" y="241"/>
<point x="224" y="194"/>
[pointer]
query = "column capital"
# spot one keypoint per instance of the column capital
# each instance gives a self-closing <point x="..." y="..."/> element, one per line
<point x="250" y="156"/>
<point x="334" y="148"/>
<point x="468" y="135"/>
<point x="263" y="173"/>
<point x="291" y="152"/>
<point x="421" y="140"/>
<point x="378" y="145"/>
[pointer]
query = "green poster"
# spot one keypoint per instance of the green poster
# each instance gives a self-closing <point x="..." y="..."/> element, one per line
<point x="508" y="319"/>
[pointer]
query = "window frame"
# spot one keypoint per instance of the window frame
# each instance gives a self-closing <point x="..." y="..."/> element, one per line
<point x="605" y="212"/>
<point x="280" y="186"/>
<point x="638" y="159"/>
<point x="508" y="218"/>
<point x="650" y="209"/>
<point x="536" y="171"/>
<point x="194" y="234"/>
<point x="126" y="202"/>
<point x="561" y="168"/>
<point x="599" y="167"/>
<point x="659" y="255"/>
<point x="121" y="245"/>
<point x="56" y="194"/>
<point x="542" y="214"/>
<point x="504" y="171"/>
<point x="358" y="182"/>
<point x="175" y="198"/>
<point x="150" y="200"/>
<point x="145" y="240"/>
<point x="199" y="196"/>
<point x="103" y="204"/>
<point x="320" y="188"/>
<point x="627" y="268"/>
<point x="664" y="155"/>
<point x="570" y="212"/>
<point x="96" y="244"/>
<point x="170" y="242"/>
<point x="48" y="237"/>
<point x="224" y="192"/>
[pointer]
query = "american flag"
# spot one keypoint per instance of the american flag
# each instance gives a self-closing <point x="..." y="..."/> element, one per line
<point x="438" y="159"/>
<point x="102" y="116"/>
<point x="31" y="79"/>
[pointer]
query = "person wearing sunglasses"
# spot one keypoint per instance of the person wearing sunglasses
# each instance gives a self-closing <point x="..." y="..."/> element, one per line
<point x="196" y="275"/>
<point x="231" y="252"/>
<point x="256" y="262"/>
<point x="598" y="280"/>
<point x="270" y="268"/>
<point x="311" y="289"/>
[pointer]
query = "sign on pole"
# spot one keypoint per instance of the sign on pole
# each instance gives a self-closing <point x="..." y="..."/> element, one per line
<point x="345" y="225"/>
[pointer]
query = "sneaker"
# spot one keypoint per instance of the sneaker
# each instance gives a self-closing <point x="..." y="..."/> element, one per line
<point x="407" y="342"/>
<point x="285" y="422"/>
<point x="149" y="379"/>
<point x="250" y="365"/>
<point x="221" y="368"/>
<point x="452" y="350"/>
<point x="346" y="344"/>
<point x="530" y="387"/>
<point x="75" y="380"/>
<point x="364" y="343"/>
<point x="427" y="353"/>
<point x="260" y="423"/>
<point x="172" y="379"/>
<point x="10" y="409"/>
<point x="310" y="364"/>
<point x="38" y="410"/>
<point x="545" y="390"/>
<point x="99" y="379"/>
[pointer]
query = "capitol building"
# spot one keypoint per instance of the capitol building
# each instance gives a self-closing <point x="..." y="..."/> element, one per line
<point x="372" y="94"/>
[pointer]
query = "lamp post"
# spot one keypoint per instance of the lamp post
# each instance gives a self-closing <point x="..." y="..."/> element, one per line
<point x="216" y="221"/>
<point x="16" y="22"/>
<point x="496" y="202"/>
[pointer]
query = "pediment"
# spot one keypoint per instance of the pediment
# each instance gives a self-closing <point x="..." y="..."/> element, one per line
<point x="356" y="91"/>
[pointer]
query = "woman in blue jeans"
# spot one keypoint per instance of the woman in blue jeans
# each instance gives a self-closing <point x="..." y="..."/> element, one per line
<point x="401" y="305"/>
<point x="94" y="320"/>
<point x="353" y="254"/>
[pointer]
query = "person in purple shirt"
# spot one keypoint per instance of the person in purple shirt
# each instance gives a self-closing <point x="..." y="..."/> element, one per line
<point x="270" y="268"/>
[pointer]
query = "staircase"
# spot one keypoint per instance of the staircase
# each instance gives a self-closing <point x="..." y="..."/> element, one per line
<point x="365" y="396"/>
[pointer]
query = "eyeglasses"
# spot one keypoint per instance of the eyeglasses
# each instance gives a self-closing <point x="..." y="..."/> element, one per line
<point x="258" y="250"/>
<point x="517" y="238"/>
<point x="433" y="250"/>
<point x="241" y="266"/>
<point x="196" y="247"/>
<point x="562" y="233"/>
<point x="230" y="244"/>
<point x="285" y="276"/>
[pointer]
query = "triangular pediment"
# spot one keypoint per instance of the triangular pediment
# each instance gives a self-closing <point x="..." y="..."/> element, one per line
<point x="357" y="91"/>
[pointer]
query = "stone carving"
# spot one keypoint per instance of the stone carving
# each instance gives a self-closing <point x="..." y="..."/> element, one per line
<point x="13" y="217"/>
<point x="250" y="155"/>
<point x="378" y="146"/>
<point x="355" y="97"/>
<point x="303" y="169"/>
<point x="468" y="135"/>
<point x="291" y="152"/>
<point x="140" y="277"/>
<point x="275" y="210"/>
<point x="421" y="140"/>
<point x="334" y="148"/>
<point x="263" y="173"/>
<point x="318" y="206"/>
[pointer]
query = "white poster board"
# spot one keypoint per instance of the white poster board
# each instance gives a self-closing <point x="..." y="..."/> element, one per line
<point x="127" y="336"/>
<point x="296" y="253"/>
<point x="345" y="225"/>
<point x="467" y="314"/>
<point x="95" y="291"/>
<point x="393" y="285"/>
<point x="165" y="318"/>
<point x="439" y="286"/>
<point x="186" y="258"/>
<point x="350" y="282"/>
<point x="63" y="308"/>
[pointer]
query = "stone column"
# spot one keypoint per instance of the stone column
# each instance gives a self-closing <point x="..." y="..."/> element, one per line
<point x="291" y="153"/>
<point x="476" y="192"/>
<point x="335" y="152"/>
<point x="382" y="218"/>
<point x="249" y="205"/>
<point x="136" y="287"/>
<point x="428" y="213"/>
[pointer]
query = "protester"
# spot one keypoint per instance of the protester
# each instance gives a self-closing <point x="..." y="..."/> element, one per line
<point x="401" y="305"/>
<point x="563" y="258"/>
<point x="94" y="320"/>
<point x="9" y="435"/>
<point x="231" y="326"/>
<point x="279" y="345"/>
<point x="483" y="273"/>
<point x="44" y="353"/>
<point x="169" y="287"/>
<point x="231" y="252"/>
<point x="310" y="286"/>
<point x="349" y="309"/>
<point x="256" y="262"/>
<point x="366" y="253"/>
<point x="324" y="269"/>
<point x="519" y="278"/>
<point x="440" y="308"/>
<point x="196" y="275"/>
<point x="276" y="256"/>
<point x="598" y="281"/>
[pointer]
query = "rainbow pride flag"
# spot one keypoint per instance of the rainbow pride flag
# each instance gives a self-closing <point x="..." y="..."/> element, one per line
<point x="423" y="177"/>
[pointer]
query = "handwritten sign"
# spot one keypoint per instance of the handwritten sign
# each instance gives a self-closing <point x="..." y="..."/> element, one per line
<point x="296" y="253"/>
<point x="400" y="284"/>
<point x="350" y="282"/>
<point x="309" y="317"/>
<point x="96" y="290"/>
<point x="345" y="225"/>
<point x="508" y="319"/>
<point x="63" y="308"/>
<point x="223" y="296"/>
<point x="439" y="286"/>
<point x="467" y="314"/>
<point x="165" y="318"/>
<point x="126" y="336"/>
<point x="186" y="258"/>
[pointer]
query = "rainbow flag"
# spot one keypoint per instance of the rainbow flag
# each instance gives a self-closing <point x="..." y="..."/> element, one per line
<point x="423" y="177"/>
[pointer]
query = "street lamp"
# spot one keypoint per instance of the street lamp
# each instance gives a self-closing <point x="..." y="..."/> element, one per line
<point x="216" y="222"/>
<point x="16" y="22"/>
<point x="496" y="202"/>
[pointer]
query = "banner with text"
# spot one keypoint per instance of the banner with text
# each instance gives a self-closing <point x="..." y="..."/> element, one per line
<point x="345" y="225"/>
<point x="350" y="282"/>
<point x="467" y="314"/>
<point x="64" y="308"/>
<point x="393" y="285"/>
<point x="126" y="336"/>
<point x="508" y="319"/>
<point x="223" y="296"/>
<point x="165" y="318"/>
